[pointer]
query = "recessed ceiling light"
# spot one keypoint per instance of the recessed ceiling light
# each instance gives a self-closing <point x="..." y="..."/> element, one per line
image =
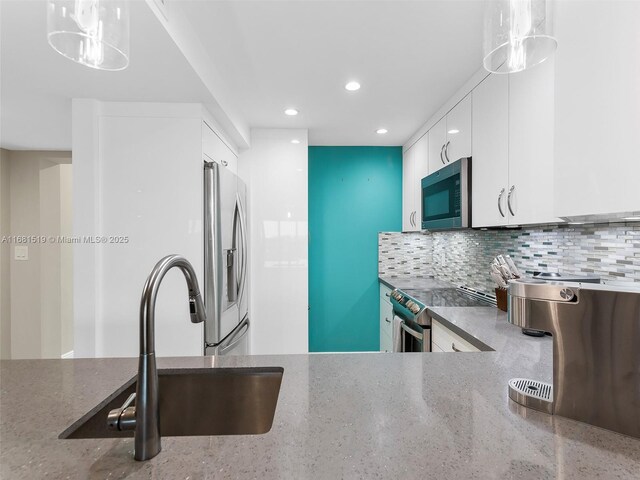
<point x="453" y="131"/>
<point x="381" y="131"/>
<point x="291" y="112"/>
<point x="295" y="141"/>
<point x="352" y="86"/>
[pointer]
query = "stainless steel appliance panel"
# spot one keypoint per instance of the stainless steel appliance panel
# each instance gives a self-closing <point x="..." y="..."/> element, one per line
<point x="596" y="348"/>
<point x="446" y="197"/>
<point x="226" y="261"/>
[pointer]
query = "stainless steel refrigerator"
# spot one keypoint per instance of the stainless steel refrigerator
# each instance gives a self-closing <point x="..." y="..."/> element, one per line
<point x="226" y="329"/>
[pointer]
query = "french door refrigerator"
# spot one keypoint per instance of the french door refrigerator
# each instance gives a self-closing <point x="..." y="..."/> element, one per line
<point x="225" y="257"/>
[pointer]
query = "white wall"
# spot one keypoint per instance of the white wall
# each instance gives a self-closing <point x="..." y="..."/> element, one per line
<point x="137" y="173"/>
<point x="275" y="171"/>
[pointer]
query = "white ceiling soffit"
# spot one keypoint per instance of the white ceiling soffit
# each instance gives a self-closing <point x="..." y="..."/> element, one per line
<point x="409" y="56"/>
<point x="37" y="84"/>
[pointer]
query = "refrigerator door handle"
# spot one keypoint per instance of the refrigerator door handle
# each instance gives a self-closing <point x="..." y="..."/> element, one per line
<point x="234" y="338"/>
<point x="213" y="260"/>
<point x="243" y="254"/>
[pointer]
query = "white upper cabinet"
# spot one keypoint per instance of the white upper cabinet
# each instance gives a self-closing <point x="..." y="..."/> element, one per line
<point x="531" y="100"/>
<point x="408" y="197"/>
<point x="421" y="170"/>
<point x="597" y="108"/>
<point x="513" y="132"/>
<point x="422" y="158"/>
<point x="415" y="166"/>
<point x="490" y="164"/>
<point x="459" y="131"/>
<point x="437" y="141"/>
<point x="450" y="138"/>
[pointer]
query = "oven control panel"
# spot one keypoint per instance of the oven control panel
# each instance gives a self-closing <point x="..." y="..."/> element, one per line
<point x="403" y="300"/>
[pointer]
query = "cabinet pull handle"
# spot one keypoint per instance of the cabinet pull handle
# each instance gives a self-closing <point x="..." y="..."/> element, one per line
<point x="442" y="159"/>
<point x="500" y="202"/>
<point x="411" y="219"/>
<point x="225" y="163"/>
<point x="387" y="320"/>
<point x="446" y="152"/>
<point x="453" y="347"/>
<point x="513" y="187"/>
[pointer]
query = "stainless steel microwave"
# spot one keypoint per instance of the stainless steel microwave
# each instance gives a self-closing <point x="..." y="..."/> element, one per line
<point x="446" y="197"/>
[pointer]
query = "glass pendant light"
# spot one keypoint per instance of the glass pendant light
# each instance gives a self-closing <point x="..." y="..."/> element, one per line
<point x="94" y="33"/>
<point x="518" y="34"/>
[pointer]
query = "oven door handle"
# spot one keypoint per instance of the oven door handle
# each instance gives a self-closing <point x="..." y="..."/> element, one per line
<point x="411" y="332"/>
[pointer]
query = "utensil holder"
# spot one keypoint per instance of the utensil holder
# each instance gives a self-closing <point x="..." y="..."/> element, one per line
<point x="501" y="298"/>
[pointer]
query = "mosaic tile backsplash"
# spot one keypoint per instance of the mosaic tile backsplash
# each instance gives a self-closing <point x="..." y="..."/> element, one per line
<point x="610" y="251"/>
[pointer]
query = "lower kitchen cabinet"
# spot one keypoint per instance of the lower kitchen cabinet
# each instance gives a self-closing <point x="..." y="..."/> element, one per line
<point x="444" y="340"/>
<point x="386" y="320"/>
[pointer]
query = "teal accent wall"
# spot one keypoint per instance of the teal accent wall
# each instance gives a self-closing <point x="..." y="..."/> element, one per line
<point x="354" y="193"/>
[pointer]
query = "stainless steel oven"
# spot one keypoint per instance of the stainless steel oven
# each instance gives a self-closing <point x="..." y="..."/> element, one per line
<point x="446" y="197"/>
<point x="414" y="323"/>
<point x="415" y="337"/>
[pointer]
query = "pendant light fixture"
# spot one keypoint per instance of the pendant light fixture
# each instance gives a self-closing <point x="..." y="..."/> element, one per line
<point x="94" y="33"/>
<point x="518" y="34"/>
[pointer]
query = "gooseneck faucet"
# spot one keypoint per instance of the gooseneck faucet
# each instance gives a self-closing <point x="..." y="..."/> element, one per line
<point x="145" y="416"/>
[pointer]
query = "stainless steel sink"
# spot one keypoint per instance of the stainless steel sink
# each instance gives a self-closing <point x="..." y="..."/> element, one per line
<point x="202" y="401"/>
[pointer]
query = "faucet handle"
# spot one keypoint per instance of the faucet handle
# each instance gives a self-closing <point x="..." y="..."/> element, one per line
<point x="123" y="418"/>
<point x="196" y="308"/>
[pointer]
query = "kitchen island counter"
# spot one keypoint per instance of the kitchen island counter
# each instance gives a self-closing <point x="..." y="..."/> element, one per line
<point x="338" y="416"/>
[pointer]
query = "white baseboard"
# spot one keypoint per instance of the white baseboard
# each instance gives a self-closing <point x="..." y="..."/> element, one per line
<point x="67" y="355"/>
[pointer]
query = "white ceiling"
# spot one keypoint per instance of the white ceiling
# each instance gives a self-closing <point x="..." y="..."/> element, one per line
<point x="37" y="84"/>
<point x="409" y="56"/>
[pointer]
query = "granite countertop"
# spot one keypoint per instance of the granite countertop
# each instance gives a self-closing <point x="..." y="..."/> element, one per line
<point x="368" y="415"/>
<point x="488" y="327"/>
<point x="414" y="283"/>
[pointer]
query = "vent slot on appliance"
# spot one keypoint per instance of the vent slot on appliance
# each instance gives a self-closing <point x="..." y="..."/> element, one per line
<point x="532" y="394"/>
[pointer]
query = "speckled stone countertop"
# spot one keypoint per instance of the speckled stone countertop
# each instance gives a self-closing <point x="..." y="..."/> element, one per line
<point x="368" y="415"/>
<point x="413" y="283"/>
<point x="488" y="327"/>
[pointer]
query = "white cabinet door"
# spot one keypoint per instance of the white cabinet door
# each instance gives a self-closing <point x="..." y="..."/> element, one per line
<point x="386" y="321"/>
<point x="530" y="198"/>
<point x="597" y="108"/>
<point x="422" y="157"/>
<point x="459" y="131"/>
<point x="408" y="197"/>
<point x="421" y="170"/>
<point x="437" y="142"/>
<point x="444" y="340"/>
<point x="490" y="164"/>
